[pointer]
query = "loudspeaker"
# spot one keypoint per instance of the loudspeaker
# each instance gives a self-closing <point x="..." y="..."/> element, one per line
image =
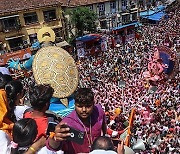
<point x="128" y="150"/>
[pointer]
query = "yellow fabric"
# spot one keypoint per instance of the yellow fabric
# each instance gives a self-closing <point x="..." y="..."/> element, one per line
<point x="117" y="111"/>
<point x="3" y="105"/>
<point x="146" y="85"/>
<point x="5" y="124"/>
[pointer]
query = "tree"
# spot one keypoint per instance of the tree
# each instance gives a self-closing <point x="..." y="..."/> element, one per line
<point x="82" y="19"/>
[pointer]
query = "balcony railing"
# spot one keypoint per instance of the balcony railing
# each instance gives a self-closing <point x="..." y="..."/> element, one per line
<point x="9" y="29"/>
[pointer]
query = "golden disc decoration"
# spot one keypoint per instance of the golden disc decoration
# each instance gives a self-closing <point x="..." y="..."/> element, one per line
<point x="46" y="34"/>
<point x="55" y="66"/>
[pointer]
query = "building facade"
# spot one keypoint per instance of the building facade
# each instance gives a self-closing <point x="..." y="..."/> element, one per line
<point x="111" y="13"/>
<point x="20" y="20"/>
<point x="114" y="13"/>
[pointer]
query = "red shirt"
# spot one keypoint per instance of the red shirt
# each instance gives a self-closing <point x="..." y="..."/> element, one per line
<point x="42" y="123"/>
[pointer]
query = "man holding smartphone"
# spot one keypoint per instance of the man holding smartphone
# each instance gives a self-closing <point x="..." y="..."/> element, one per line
<point x="77" y="131"/>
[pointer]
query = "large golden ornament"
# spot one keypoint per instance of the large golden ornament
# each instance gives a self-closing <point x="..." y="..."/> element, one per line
<point x="55" y="66"/>
<point x="46" y="34"/>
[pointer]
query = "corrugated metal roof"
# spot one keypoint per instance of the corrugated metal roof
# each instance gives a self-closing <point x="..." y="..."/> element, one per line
<point x="8" y="6"/>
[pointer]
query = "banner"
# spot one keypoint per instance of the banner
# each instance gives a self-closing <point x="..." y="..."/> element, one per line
<point x="103" y="45"/>
<point x="80" y="53"/>
<point x="20" y="54"/>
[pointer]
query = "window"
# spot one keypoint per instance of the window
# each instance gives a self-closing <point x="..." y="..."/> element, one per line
<point x="10" y="23"/>
<point x="58" y="32"/>
<point x="103" y="24"/>
<point x="124" y="3"/>
<point x="132" y="5"/>
<point x="15" y="43"/>
<point x="128" y="18"/>
<point x="90" y="7"/>
<point x="125" y="19"/>
<point x="113" y="7"/>
<point x="33" y="38"/>
<point x="141" y="3"/>
<point x="113" y="21"/>
<point x="101" y="9"/>
<point x="49" y="15"/>
<point x="134" y="17"/>
<point x="30" y="18"/>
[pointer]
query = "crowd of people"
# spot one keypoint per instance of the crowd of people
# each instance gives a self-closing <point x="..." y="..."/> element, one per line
<point x="111" y="85"/>
<point x="31" y="129"/>
<point x="158" y="113"/>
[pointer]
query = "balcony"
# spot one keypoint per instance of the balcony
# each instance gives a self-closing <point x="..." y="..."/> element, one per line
<point x="50" y="15"/>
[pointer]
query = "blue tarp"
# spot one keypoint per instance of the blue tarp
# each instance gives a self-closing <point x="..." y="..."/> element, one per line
<point x="146" y="13"/>
<point x="127" y="25"/>
<point x="160" y="7"/>
<point x="86" y="38"/>
<point x="151" y="12"/>
<point x="156" y="16"/>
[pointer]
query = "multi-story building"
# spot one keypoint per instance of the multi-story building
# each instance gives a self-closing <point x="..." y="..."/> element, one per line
<point x="20" y="20"/>
<point x="111" y="13"/>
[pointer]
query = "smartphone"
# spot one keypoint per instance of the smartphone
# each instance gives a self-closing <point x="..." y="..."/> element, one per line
<point x="115" y="142"/>
<point x="76" y="135"/>
<point x="51" y="127"/>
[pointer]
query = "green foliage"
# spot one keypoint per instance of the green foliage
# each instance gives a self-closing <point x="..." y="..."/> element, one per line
<point x="83" y="19"/>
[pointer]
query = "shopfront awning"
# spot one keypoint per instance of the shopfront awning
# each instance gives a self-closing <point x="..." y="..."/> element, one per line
<point x="88" y="37"/>
<point x="127" y="25"/>
<point x="13" y="37"/>
<point x="156" y="16"/>
<point x="157" y="9"/>
<point x="146" y="13"/>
